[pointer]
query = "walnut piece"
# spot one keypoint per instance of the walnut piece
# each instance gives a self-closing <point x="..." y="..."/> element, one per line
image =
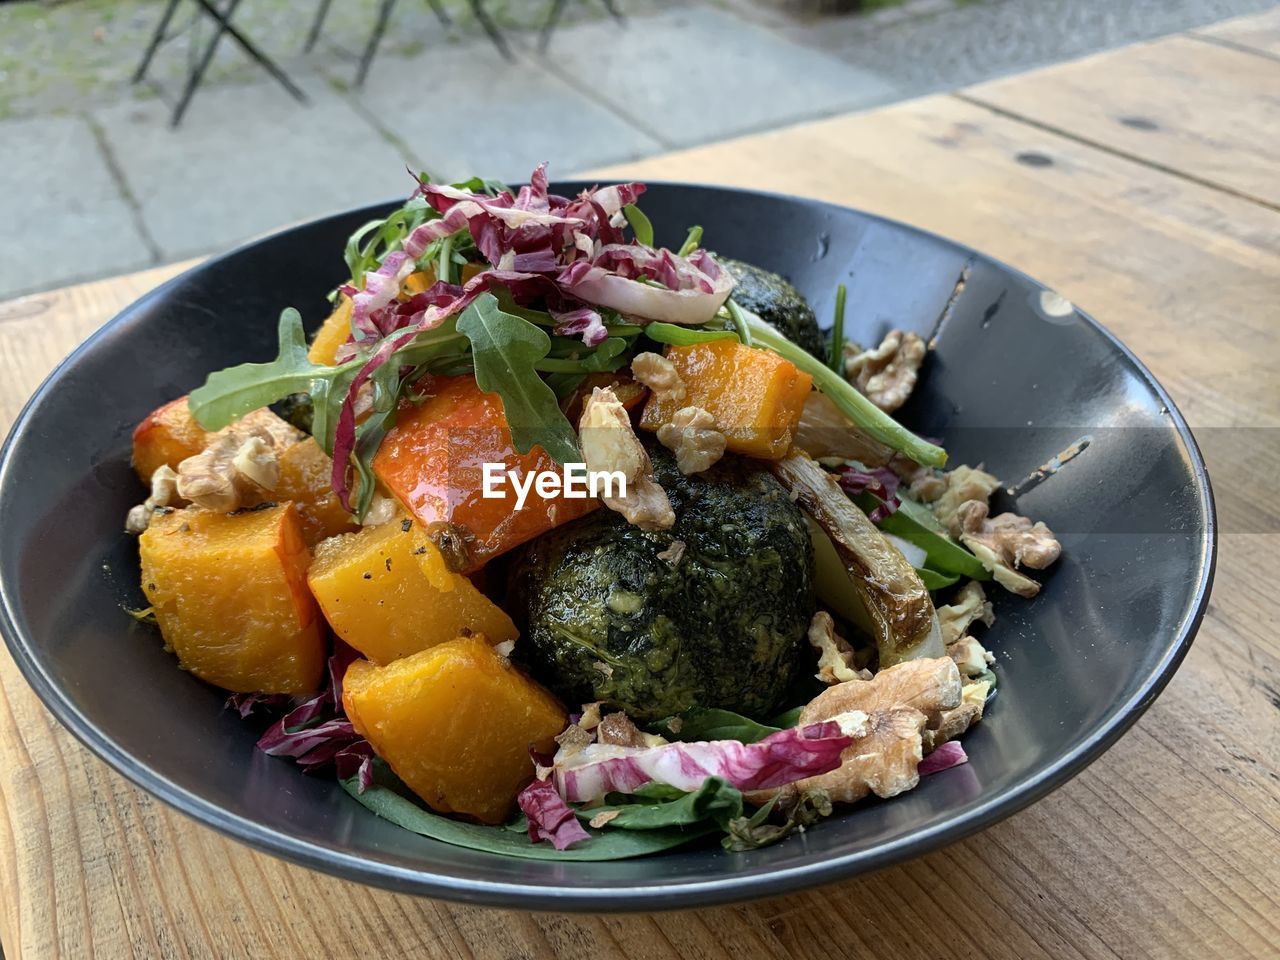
<point x="835" y="656"/>
<point x="673" y="553"/>
<point x="658" y="374"/>
<point x="971" y="658"/>
<point x="901" y="703"/>
<point x="240" y="464"/>
<point x="1006" y="542"/>
<point x="692" y="436"/>
<point x="929" y="685"/>
<point x="164" y="493"/>
<point x="616" y="729"/>
<point x="610" y="444"/>
<point x="962" y="485"/>
<point x="970" y="605"/>
<point x="887" y="374"/>
<point x="973" y="700"/>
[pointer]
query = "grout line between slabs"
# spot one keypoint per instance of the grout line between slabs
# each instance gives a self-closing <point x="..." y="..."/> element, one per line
<point x="122" y="185"/>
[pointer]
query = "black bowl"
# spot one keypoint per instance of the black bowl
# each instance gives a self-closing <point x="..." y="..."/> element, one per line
<point x="1017" y="375"/>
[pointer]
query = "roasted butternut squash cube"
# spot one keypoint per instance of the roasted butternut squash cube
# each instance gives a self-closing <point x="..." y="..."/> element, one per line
<point x="230" y="594"/>
<point x="755" y="395"/>
<point x="166" y="437"/>
<point x="306" y="478"/>
<point x="433" y="461"/>
<point x="333" y="333"/>
<point x="455" y="723"/>
<point x="387" y="592"/>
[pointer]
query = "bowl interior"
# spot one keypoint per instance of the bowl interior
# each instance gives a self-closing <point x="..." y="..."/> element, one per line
<point x="1015" y="378"/>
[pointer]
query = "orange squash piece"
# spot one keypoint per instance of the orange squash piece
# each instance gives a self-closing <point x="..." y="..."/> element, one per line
<point x="230" y="594"/>
<point x="755" y="395"/>
<point x="306" y="479"/>
<point x="387" y="592"/>
<point x="455" y="723"/>
<point x="433" y="462"/>
<point x="333" y="333"/>
<point x="166" y="437"/>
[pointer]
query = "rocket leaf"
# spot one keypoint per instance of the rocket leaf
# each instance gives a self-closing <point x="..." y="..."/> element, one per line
<point x="505" y="349"/>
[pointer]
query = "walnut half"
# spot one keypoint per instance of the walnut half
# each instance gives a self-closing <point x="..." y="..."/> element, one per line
<point x="239" y="466"/>
<point x="692" y="436"/>
<point x="610" y="444"/>
<point x="887" y="374"/>
<point x="1006" y="542"/>
<point x="901" y="702"/>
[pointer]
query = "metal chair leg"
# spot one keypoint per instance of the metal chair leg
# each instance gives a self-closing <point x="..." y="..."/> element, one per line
<point x="316" y="25"/>
<point x="613" y="8"/>
<point x="491" y="28"/>
<point x="156" y="39"/>
<point x="206" y="58"/>
<point x="441" y="14"/>
<point x="245" y="44"/>
<point x="548" y="28"/>
<point x="371" y="48"/>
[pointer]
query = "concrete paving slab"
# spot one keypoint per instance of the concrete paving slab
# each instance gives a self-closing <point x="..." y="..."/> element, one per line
<point x="64" y="218"/>
<point x="701" y="74"/>
<point x="248" y="159"/>
<point x="464" y="110"/>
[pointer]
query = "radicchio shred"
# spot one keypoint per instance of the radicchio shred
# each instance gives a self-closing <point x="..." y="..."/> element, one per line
<point x="565" y="255"/>
<point x="316" y="733"/>
<point x="881" y="482"/>
<point x="550" y="818"/>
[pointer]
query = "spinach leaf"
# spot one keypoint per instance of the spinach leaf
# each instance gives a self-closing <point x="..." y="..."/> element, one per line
<point x="710" y="723"/>
<point x="391" y="804"/>
<point x="683" y="336"/>
<point x="716" y="801"/>
<point x="640" y="224"/>
<point x="505" y="349"/>
<point x="788" y="718"/>
<point x="233" y="392"/>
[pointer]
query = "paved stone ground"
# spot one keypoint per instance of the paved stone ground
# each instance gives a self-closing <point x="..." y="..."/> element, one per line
<point x="93" y="182"/>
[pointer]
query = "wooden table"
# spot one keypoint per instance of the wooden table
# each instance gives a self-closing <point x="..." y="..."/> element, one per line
<point x="1144" y="185"/>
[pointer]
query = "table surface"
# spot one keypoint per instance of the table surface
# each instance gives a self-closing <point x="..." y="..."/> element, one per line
<point x="1142" y="184"/>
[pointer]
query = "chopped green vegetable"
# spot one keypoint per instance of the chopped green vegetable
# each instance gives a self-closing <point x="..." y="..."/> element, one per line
<point x="836" y="361"/>
<point x="916" y="524"/>
<point x="640" y="224"/>
<point x="691" y="242"/>
<point x="933" y="580"/>
<point x="740" y="323"/>
<point x="678" y="336"/>
<point x="505" y="349"/>
<point x="751" y="833"/>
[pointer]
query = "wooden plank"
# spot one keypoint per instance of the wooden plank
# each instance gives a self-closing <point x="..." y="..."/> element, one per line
<point x="1167" y="847"/>
<point x="1203" y="110"/>
<point x="1259" y="33"/>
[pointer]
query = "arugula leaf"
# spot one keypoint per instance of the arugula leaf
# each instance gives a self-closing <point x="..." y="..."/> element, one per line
<point x="640" y="224"/>
<point x="711" y="723"/>
<point x="716" y="801"/>
<point x="751" y="833"/>
<point x="679" y="336"/>
<point x="233" y="392"/>
<point x="385" y="800"/>
<point x="506" y="349"/>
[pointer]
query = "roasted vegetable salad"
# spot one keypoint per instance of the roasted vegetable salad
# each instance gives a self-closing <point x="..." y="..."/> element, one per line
<point x="557" y="544"/>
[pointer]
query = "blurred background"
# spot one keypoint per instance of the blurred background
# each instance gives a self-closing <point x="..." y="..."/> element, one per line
<point x="97" y="178"/>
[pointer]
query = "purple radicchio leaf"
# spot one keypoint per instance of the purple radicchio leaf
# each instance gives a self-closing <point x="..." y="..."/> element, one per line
<point x="550" y="818"/>
<point x="949" y="755"/>
<point x="881" y="482"/>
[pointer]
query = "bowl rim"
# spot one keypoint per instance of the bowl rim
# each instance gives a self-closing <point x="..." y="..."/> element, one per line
<point x="657" y="895"/>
